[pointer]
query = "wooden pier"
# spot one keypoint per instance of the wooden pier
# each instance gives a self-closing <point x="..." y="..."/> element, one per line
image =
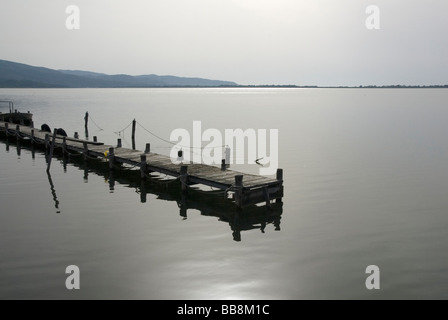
<point x="247" y="189"/>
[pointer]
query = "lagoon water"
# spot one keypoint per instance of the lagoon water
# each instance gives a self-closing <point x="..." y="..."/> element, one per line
<point x="366" y="183"/>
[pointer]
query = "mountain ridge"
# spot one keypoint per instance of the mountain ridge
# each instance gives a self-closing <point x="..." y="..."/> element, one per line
<point x="19" y="75"/>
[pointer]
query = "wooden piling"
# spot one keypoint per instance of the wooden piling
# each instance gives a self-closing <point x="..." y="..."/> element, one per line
<point x="143" y="166"/>
<point x="86" y="121"/>
<point x="133" y="134"/>
<point x="95" y="139"/>
<point x="239" y="190"/>
<point x="119" y="143"/>
<point x="86" y="150"/>
<point x="76" y="135"/>
<point x="86" y="124"/>
<point x="64" y="144"/>
<point x="18" y="132"/>
<point x="223" y="164"/>
<point x="184" y="177"/>
<point x="32" y="136"/>
<point x="111" y="158"/>
<point x="148" y="148"/>
<point x="280" y="179"/>
<point x="50" y="156"/>
<point x="6" y="128"/>
<point x="47" y="141"/>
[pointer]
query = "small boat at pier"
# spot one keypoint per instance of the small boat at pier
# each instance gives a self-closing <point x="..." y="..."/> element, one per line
<point x="14" y="116"/>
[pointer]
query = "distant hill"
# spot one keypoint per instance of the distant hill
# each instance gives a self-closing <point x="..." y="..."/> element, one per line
<point x="18" y="75"/>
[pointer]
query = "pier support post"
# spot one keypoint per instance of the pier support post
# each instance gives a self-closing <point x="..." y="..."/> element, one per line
<point x="143" y="166"/>
<point x="47" y="141"/>
<point x="18" y="132"/>
<point x="280" y="179"/>
<point x="111" y="157"/>
<point x="239" y="190"/>
<point x="133" y="134"/>
<point x="50" y="156"/>
<point x="86" y="150"/>
<point x="32" y="136"/>
<point x="184" y="177"/>
<point x="143" y="191"/>
<point x="119" y="145"/>
<point x="148" y="148"/>
<point x="86" y="124"/>
<point x="64" y="145"/>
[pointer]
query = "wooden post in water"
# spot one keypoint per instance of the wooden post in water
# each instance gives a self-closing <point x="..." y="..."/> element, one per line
<point x="118" y="143"/>
<point x="133" y="134"/>
<point x="64" y="145"/>
<point x="32" y="136"/>
<point x="50" y="156"/>
<point x="95" y="139"/>
<point x="148" y="148"/>
<point x="111" y="157"/>
<point x="223" y="165"/>
<point x="86" y="150"/>
<point x="18" y="132"/>
<point x="280" y="179"/>
<point x="143" y="166"/>
<point x="47" y="140"/>
<point x="7" y="128"/>
<point x="86" y="124"/>
<point x="184" y="177"/>
<point x="239" y="190"/>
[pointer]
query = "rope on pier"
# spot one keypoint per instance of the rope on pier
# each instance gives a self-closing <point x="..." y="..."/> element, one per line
<point x="94" y="122"/>
<point x="123" y="130"/>
<point x="175" y="144"/>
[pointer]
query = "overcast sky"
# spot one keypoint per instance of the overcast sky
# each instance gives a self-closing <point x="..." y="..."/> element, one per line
<point x="303" y="42"/>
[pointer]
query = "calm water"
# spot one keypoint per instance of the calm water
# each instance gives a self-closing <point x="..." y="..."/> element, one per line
<point x="366" y="183"/>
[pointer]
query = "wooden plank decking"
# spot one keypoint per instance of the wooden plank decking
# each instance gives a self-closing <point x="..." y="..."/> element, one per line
<point x="248" y="188"/>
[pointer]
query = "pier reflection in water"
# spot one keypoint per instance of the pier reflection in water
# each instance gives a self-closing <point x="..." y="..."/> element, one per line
<point x="208" y="203"/>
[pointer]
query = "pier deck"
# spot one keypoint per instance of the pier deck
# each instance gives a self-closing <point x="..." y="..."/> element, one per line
<point x="247" y="188"/>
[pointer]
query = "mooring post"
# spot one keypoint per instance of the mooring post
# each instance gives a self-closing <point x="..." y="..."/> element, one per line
<point x="50" y="156"/>
<point x="64" y="144"/>
<point x="32" y="136"/>
<point x="111" y="157"/>
<point x="18" y="132"/>
<point x="280" y="179"/>
<point x="223" y="165"/>
<point x="86" y="121"/>
<point x="7" y="128"/>
<point x="118" y="143"/>
<point x="143" y="166"/>
<point x="148" y="148"/>
<point x="184" y="177"/>
<point x="47" y="140"/>
<point x="143" y="191"/>
<point x="86" y="124"/>
<point x="76" y="135"/>
<point x="86" y="150"/>
<point x="95" y="139"/>
<point x="133" y="134"/>
<point x="239" y="190"/>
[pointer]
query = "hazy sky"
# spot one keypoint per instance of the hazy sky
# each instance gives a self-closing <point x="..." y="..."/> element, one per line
<point x="303" y="42"/>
